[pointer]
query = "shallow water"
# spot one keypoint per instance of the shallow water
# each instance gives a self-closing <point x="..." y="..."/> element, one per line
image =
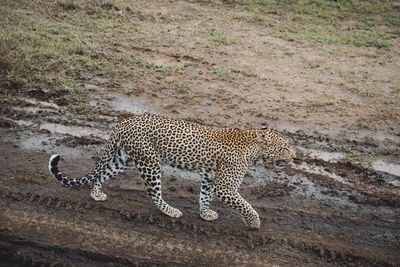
<point x="319" y="170"/>
<point x="378" y="165"/>
<point x="309" y="188"/>
<point x="324" y="155"/>
<point x="74" y="130"/>
<point x="383" y="166"/>
<point x="123" y="102"/>
<point x="335" y="133"/>
<point x="46" y="143"/>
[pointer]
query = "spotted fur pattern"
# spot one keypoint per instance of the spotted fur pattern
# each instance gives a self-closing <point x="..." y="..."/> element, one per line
<point x="221" y="156"/>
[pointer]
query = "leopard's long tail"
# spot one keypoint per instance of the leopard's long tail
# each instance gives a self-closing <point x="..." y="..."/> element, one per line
<point x="113" y="161"/>
<point x="53" y="167"/>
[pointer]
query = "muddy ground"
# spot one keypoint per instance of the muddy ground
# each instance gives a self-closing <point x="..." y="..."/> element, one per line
<point x="320" y="210"/>
<point x="337" y="204"/>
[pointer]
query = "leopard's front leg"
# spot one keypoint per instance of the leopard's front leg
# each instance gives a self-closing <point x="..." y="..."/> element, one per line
<point x="206" y="194"/>
<point x="226" y="186"/>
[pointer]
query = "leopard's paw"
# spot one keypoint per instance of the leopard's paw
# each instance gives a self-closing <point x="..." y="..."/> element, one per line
<point x="100" y="196"/>
<point x="253" y="222"/>
<point x="208" y="215"/>
<point x="172" y="212"/>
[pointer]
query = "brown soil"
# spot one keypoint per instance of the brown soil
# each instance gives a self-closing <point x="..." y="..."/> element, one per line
<point x="328" y="207"/>
<point x="308" y="217"/>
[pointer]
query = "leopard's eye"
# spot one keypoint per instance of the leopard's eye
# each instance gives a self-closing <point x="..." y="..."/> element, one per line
<point x="285" y="152"/>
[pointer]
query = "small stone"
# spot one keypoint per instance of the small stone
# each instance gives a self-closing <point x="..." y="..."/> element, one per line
<point x="374" y="201"/>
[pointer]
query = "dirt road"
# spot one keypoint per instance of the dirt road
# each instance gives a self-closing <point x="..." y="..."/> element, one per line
<point x="325" y="74"/>
<point x="315" y="211"/>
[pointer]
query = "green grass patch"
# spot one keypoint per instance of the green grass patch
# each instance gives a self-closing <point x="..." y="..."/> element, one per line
<point x="319" y="102"/>
<point x="396" y="90"/>
<point x="169" y="68"/>
<point x="228" y="73"/>
<point x="218" y="37"/>
<point x="362" y="90"/>
<point x="356" y="22"/>
<point x="363" y="158"/>
<point x="53" y="44"/>
<point x="288" y="53"/>
<point x="382" y="43"/>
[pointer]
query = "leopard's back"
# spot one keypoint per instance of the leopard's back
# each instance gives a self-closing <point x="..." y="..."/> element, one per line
<point x="175" y="142"/>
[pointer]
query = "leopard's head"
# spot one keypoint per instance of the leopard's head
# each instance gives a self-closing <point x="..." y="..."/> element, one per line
<point x="275" y="147"/>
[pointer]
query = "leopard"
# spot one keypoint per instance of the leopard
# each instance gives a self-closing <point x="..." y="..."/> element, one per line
<point x="221" y="156"/>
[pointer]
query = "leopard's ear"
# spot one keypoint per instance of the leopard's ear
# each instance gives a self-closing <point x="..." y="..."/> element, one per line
<point x="264" y="127"/>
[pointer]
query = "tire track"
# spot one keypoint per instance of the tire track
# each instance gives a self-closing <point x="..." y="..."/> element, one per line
<point x="140" y="219"/>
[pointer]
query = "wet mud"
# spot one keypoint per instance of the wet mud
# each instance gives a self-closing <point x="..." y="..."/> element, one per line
<point x="320" y="210"/>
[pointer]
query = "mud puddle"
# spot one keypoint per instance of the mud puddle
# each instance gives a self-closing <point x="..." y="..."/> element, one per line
<point x="351" y="135"/>
<point x="319" y="170"/>
<point x="120" y="102"/>
<point x="61" y="129"/>
<point x="389" y="171"/>
<point x="321" y="154"/>
<point x="135" y="106"/>
<point x="390" y="168"/>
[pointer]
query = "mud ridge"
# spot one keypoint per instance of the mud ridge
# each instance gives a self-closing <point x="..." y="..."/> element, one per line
<point x="180" y="57"/>
<point x="14" y="246"/>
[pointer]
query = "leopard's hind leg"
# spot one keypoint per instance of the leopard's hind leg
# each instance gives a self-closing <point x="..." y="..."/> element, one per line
<point x="117" y="163"/>
<point x="150" y="170"/>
